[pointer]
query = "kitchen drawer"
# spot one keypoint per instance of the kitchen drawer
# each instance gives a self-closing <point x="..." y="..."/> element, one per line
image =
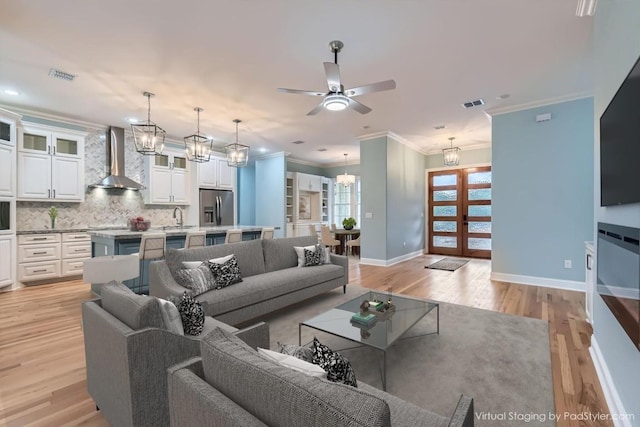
<point x="38" y="270"/>
<point x="27" y="239"/>
<point x="76" y="250"/>
<point x="76" y="237"/>
<point x="72" y="267"/>
<point x="40" y="252"/>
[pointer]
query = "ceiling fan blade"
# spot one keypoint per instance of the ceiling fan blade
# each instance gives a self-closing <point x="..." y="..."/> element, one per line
<point x="370" y="88"/>
<point x="333" y="76"/>
<point x="315" y="110"/>
<point x="360" y="108"/>
<point x="301" y="92"/>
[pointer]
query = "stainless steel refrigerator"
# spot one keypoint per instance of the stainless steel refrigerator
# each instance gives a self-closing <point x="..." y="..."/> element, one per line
<point x="216" y="207"/>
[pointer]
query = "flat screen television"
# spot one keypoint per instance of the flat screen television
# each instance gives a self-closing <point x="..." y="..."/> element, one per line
<point x="620" y="144"/>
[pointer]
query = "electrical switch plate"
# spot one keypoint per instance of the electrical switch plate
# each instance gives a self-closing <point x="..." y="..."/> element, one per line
<point x="567" y="263"/>
<point x="368" y="215"/>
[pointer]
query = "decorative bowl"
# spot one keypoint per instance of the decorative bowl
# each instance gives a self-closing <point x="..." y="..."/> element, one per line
<point x="135" y="225"/>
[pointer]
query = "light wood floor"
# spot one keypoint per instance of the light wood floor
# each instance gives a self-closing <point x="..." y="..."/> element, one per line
<point x="42" y="371"/>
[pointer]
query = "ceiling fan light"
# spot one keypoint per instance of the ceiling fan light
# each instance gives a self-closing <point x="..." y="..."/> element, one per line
<point x="335" y="102"/>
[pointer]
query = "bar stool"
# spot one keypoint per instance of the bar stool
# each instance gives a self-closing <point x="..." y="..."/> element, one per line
<point x="195" y="239"/>
<point x="267" y="233"/>
<point x="233" y="236"/>
<point x="152" y="246"/>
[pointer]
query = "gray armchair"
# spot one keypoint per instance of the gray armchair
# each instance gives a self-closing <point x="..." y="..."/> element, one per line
<point x="128" y="349"/>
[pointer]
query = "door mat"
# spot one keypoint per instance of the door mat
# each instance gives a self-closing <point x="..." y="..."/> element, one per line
<point x="449" y="264"/>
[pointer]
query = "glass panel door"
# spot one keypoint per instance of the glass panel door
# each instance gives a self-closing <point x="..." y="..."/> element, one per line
<point x="460" y="212"/>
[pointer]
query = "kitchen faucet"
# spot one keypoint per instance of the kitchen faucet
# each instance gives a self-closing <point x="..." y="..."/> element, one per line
<point x="180" y="222"/>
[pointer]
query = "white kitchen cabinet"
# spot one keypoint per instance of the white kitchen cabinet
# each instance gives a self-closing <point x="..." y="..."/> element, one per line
<point x="308" y="182"/>
<point x="216" y="173"/>
<point x="52" y="255"/>
<point x="7" y="261"/>
<point x="50" y="164"/>
<point x="167" y="179"/>
<point x="7" y="170"/>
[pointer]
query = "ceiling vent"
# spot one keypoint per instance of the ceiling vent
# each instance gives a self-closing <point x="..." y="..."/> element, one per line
<point x="439" y="127"/>
<point x="298" y="142"/>
<point x="322" y="149"/>
<point x="59" y="74"/>
<point x="473" y="103"/>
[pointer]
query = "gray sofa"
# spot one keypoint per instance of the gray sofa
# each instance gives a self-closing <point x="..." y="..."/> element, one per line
<point x="271" y="278"/>
<point x="128" y="348"/>
<point x="233" y="385"/>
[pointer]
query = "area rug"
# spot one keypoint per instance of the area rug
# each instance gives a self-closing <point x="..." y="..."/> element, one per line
<point x="449" y="264"/>
<point x="500" y="360"/>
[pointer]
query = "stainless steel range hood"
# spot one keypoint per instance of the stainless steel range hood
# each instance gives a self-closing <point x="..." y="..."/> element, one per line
<point x="115" y="160"/>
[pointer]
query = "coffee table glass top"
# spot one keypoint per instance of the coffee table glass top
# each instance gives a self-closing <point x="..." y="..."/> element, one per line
<point x="387" y="329"/>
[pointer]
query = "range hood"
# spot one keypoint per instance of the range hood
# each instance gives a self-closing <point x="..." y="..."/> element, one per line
<point x="115" y="160"/>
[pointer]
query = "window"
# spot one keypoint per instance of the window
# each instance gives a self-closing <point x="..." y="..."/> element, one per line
<point x="346" y="202"/>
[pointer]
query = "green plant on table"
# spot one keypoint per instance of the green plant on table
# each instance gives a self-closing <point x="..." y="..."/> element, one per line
<point x="348" y="223"/>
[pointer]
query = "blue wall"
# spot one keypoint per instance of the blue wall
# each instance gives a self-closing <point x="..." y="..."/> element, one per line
<point x="616" y="48"/>
<point x="246" y="195"/>
<point x="339" y="170"/>
<point x="373" y="193"/>
<point x="312" y="170"/>
<point x="270" y="181"/>
<point x="543" y="190"/>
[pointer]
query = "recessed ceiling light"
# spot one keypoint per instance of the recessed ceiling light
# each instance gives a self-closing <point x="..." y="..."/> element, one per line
<point x="262" y="150"/>
<point x="132" y="120"/>
<point x="11" y="92"/>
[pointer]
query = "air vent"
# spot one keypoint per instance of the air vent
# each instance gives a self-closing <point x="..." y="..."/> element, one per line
<point x="473" y="103"/>
<point x="58" y="74"/>
<point x="322" y="149"/>
<point x="298" y="142"/>
<point x="439" y="127"/>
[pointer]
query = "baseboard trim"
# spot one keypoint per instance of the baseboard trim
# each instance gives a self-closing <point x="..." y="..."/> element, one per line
<point x="568" y="285"/>
<point x="392" y="261"/>
<point x="608" y="387"/>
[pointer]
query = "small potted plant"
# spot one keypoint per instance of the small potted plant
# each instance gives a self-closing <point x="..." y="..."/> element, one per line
<point x="53" y="214"/>
<point x="349" y="223"/>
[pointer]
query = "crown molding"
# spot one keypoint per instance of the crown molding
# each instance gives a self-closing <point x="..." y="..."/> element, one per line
<point x="10" y="114"/>
<point x="54" y="117"/>
<point x="393" y="135"/>
<point x="540" y="103"/>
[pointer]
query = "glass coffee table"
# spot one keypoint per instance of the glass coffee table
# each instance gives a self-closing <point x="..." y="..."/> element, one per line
<point x="390" y="326"/>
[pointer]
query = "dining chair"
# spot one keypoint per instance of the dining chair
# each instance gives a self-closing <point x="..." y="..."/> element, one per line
<point x="152" y="247"/>
<point x="233" y="236"/>
<point x="267" y="233"/>
<point x="327" y="239"/>
<point x="195" y="239"/>
<point x="352" y="243"/>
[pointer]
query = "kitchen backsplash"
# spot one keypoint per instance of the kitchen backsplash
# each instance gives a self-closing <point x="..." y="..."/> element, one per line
<point x="101" y="208"/>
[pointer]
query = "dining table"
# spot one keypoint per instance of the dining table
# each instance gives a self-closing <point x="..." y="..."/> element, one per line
<point x="343" y="236"/>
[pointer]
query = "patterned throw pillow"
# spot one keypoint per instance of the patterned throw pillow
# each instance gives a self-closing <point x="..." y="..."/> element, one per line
<point x="302" y="353"/>
<point x="312" y="258"/>
<point x="191" y="313"/>
<point x="226" y="273"/>
<point x="337" y="366"/>
<point x="198" y="279"/>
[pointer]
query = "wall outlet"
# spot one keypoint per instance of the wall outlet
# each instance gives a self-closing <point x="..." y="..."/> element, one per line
<point x="567" y="263"/>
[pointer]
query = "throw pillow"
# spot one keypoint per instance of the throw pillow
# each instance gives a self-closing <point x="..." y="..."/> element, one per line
<point x="324" y="253"/>
<point x="198" y="279"/>
<point x="171" y="316"/>
<point x="225" y="273"/>
<point x="191" y="313"/>
<point x="303" y="353"/>
<point x="336" y="365"/>
<point x="294" y="363"/>
<point x="312" y="258"/>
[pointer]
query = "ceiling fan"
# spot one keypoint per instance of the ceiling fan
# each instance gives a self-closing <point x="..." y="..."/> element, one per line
<point x="337" y="98"/>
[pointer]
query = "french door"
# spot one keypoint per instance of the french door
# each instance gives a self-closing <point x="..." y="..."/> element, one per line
<point x="460" y="212"/>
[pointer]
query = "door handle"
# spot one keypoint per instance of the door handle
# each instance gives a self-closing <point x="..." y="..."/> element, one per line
<point x="48" y="193"/>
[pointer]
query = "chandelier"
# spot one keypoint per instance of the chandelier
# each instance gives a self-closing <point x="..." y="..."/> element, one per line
<point x="451" y="156"/>
<point x="198" y="147"/>
<point x="148" y="137"/>
<point x="346" y="179"/>
<point x="237" y="154"/>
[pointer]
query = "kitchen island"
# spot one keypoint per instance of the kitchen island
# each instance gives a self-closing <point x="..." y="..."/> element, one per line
<point x="124" y="242"/>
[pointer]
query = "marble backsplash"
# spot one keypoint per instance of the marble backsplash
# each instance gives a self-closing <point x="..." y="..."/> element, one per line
<point x="101" y="208"/>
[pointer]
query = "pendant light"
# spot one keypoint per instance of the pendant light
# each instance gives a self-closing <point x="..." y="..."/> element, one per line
<point x="346" y="179"/>
<point x="451" y="156"/>
<point x="237" y="154"/>
<point x="148" y="137"/>
<point x="198" y="147"/>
